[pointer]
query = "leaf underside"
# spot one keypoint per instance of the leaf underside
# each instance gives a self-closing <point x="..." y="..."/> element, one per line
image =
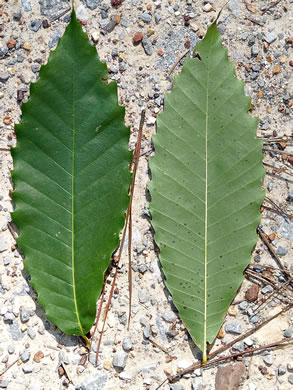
<point x="71" y="180"/>
<point x="206" y="188"/>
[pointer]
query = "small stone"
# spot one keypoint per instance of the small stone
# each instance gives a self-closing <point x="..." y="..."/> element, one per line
<point x="254" y="319"/>
<point x="36" y="68"/>
<point x="4" y="77"/>
<point x="119" y="360"/>
<point x="251" y="294"/>
<point x="24" y="314"/>
<point x="281" y="370"/>
<point x="233" y="327"/>
<point x="35" y="25"/>
<point x="6" y="260"/>
<point x="11" y="44"/>
<point x="95" y="381"/>
<point x="243" y="305"/>
<point x="208" y="7"/>
<point x="270" y="37"/>
<point x="127" y="344"/>
<point x="288" y="333"/>
<point x="82" y="14"/>
<point x="197" y="384"/>
<point x="147" y="45"/>
<point x="169" y="316"/>
<point x="107" y="365"/>
<point x="267" y="289"/>
<point x="281" y="251"/>
<point x="95" y="36"/>
<point x="151" y="121"/>
<point x="182" y="364"/>
<point x="146" y="17"/>
<point x="290" y="367"/>
<point x="8" y="317"/>
<point x="248" y="342"/>
<point x="38" y="356"/>
<point x="54" y="39"/>
<point x="143" y="298"/>
<point x="10" y="349"/>
<point x="268" y="360"/>
<point x="194" y="26"/>
<point x="277" y="69"/>
<point x="3" y="384"/>
<point x="137" y="38"/>
<point x="92" y="4"/>
<point x="290" y="379"/>
<point x="17" y="16"/>
<point x="25" y="356"/>
<point x="31" y="333"/>
<point x="176" y="386"/>
<point x="146" y="331"/>
<point x="234" y="7"/>
<point x="26" y="46"/>
<point x="125" y="377"/>
<point x="254" y="51"/>
<point x="26" y="4"/>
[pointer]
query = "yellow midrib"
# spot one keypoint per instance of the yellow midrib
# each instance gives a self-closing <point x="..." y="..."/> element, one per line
<point x="73" y="204"/>
<point x="206" y="227"/>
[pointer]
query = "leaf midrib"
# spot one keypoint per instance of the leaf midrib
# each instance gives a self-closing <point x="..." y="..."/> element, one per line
<point x="73" y="201"/>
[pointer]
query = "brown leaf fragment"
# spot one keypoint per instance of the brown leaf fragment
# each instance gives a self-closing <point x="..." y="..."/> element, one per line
<point x="229" y="377"/>
<point x="252" y="293"/>
<point x="251" y="7"/>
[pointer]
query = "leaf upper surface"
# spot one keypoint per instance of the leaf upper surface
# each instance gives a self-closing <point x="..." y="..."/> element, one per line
<point x="71" y="180"/>
<point x="206" y="188"/>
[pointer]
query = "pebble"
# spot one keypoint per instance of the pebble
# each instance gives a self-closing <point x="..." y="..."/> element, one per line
<point x="182" y="364"/>
<point x="92" y="4"/>
<point x="25" y="356"/>
<point x="270" y="37"/>
<point x="208" y="7"/>
<point x="254" y="51"/>
<point x="9" y="317"/>
<point x="281" y="370"/>
<point x="233" y="327"/>
<point x="95" y="381"/>
<point x="26" y="4"/>
<point x="197" y="384"/>
<point x="17" y="16"/>
<point x="27" y="368"/>
<point x="267" y="289"/>
<point x="146" y="17"/>
<point x="53" y="8"/>
<point x="3" y="78"/>
<point x="24" y="314"/>
<point x="234" y="7"/>
<point x="290" y="379"/>
<point x="31" y="333"/>
<point x="290" y="367"/>
<point x="147" y="45"/>
<point x="35" y="25"/>
<point x="281" y="251"/>
<point x="82" y="13"/>
<point x="176" y="386"/>
<point x="268" y="360"/>
<point x="137" y="38"/>
<point x="146" y="331"/>
<point x="38" y="356"/>
<point x="10" y="349"/>
<point x="119" y="360"/>
<point x="169" y="316"/>
<point x="107" y="365"/>
<point x="287" y="333"/>
<point x="3" y="384"/>
<point x="143" y="298"/>
<point x="254" y="319"/>
<point x="6" y="260"/>
<point x="95" y="36"/>
<point x="127" y="344"/>
<point x="251" y="294"/>
<point x="54" y="39"/>
<point x="125" y="377"/>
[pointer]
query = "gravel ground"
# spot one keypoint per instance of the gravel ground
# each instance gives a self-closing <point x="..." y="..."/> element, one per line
<point x="260" y="45"/>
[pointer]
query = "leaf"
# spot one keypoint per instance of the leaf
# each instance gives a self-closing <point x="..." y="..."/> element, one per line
<point x="206" y="188"/>
<point x="71" y="180"/>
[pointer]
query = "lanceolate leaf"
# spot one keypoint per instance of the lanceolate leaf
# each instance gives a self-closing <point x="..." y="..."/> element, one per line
<point x="71" y="180"/>
<point x="206" y="188"/>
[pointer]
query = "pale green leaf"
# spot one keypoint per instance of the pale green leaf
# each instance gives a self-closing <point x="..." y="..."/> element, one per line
<point x="206" y="188"/>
